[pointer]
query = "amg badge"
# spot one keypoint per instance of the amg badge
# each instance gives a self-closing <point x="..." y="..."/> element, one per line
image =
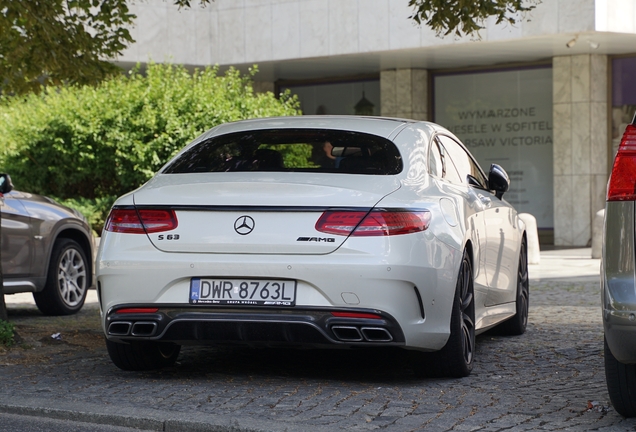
<point x="317" y="239"/>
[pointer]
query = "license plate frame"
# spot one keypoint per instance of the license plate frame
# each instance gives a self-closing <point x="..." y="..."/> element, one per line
<point x="242" y="292"/>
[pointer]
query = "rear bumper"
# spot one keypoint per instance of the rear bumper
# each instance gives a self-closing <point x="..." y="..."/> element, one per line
<point x="413" y="286"/>
<point x="200" y="325"/>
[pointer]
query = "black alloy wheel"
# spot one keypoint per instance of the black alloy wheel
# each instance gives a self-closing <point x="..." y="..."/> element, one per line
<point x="621" y="383"/>
<point x="467" y="312"/>
<point x="456" y="358"/>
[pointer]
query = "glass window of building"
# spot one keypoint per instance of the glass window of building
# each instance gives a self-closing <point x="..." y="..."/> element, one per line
<point x="505" y="117"/>
<point x="349" y="98"/>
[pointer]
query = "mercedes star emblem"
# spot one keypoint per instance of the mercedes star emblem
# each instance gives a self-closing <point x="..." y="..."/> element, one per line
<point x="244" y="225"/>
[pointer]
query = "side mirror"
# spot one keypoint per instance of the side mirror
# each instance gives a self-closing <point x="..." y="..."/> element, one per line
<point x="5" y="184"/>
<point x="498" y="180"/>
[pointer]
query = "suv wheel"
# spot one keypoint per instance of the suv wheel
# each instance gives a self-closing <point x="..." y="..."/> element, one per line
<point x="621" y="384"/>
<point x="66" y="282"/>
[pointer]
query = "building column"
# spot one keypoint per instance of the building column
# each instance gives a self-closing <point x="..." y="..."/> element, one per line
<point x="580" y="122"/>
<point x="404" y="93"/>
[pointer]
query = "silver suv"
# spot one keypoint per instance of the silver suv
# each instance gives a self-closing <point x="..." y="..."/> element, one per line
<point x="618" y="277"/>
<point x="47" y="249"/>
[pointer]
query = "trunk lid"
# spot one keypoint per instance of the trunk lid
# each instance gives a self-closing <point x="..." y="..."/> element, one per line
<point x="256" y="213"/>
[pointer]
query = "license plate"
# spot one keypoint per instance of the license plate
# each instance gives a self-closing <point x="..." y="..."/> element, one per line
<point x="256" y="292"/>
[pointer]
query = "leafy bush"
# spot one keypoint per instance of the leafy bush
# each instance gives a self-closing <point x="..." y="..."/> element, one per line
<point x="86" y="145"/>
<point x="6" y="333"/>
<point x="94" y="209"/>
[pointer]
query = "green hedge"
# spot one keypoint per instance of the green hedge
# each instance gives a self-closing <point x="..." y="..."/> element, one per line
<point x="86" y="145"/>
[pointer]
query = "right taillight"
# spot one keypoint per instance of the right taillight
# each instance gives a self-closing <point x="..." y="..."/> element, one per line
<point x="374" y="223"/>
<point x="622" y="182"/>
<point x="140" y="221"/>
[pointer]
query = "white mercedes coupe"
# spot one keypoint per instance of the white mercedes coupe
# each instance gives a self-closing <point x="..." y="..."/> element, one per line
<point x="315" y="231"/>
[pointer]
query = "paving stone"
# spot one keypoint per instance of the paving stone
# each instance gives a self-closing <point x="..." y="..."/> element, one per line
<point x="541" y="380"/>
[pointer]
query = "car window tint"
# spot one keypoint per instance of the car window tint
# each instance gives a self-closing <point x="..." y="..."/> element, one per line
<point x="478" y="174"/>
<point x="464" y="163"/>
<point x="299" y="150"/>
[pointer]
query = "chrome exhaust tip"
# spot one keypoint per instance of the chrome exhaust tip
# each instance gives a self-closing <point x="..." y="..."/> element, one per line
<point x="376" y="334"/>
<point x="144" y="328"/>
<point x="119" y="328"/>
<point x="347" y="333"/>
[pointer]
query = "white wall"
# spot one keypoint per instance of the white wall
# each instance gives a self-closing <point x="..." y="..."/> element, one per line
<point x="252" y="31"/>
<point x="617" y="16"/>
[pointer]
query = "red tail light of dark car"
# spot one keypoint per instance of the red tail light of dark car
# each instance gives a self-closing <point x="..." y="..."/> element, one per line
<point x="622" y="183"/>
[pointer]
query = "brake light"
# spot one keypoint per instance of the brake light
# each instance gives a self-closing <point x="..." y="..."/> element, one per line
<point x="374" y="223"/>
<point x="141" y="221"/>
<point x="158" y="220"/>
<point x="622" y="183"/>
<point x="355" y="315"/>
<point x="339" y="222"/>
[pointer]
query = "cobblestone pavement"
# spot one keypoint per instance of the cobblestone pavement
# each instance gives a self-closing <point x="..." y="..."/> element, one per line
<point x="551" y="378"/>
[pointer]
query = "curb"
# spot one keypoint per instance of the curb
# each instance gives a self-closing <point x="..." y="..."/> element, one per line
<point x="144" y="419"/>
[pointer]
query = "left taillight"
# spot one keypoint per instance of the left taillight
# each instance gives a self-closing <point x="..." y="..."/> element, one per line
<point x="141" y="221"/>
<point x="374" y="223"/>
<point x="622" y="182"/>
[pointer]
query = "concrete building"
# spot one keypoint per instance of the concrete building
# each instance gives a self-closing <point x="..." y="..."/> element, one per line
<point x="547" y="98"/>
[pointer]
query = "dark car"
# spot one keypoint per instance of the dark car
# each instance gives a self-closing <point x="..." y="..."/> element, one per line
<point x="47" y="249"/>
<point x="618" y="277"/>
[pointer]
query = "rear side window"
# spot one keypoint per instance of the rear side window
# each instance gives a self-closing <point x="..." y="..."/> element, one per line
<point x="436" y="165"/>
<point x="449" y="171"/>
<point x="464" y="163"/>
<point x="299" y="150"/>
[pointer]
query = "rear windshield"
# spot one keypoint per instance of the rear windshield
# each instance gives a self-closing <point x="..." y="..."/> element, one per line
<point x="299" y="150"/>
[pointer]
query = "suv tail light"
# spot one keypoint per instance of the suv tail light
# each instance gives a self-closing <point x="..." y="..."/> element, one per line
<point x="622" y="183"/>
<point x="141" y="221"/>
<point x="374" y="223"/>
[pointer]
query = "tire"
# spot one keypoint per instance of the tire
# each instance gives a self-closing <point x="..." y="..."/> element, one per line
<point x="621" y="384"/>
<point x="516" y="325"/>
<point x="142" y="356"/>
<point x="456" y="358"/>
<point x="67" y="280"/>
